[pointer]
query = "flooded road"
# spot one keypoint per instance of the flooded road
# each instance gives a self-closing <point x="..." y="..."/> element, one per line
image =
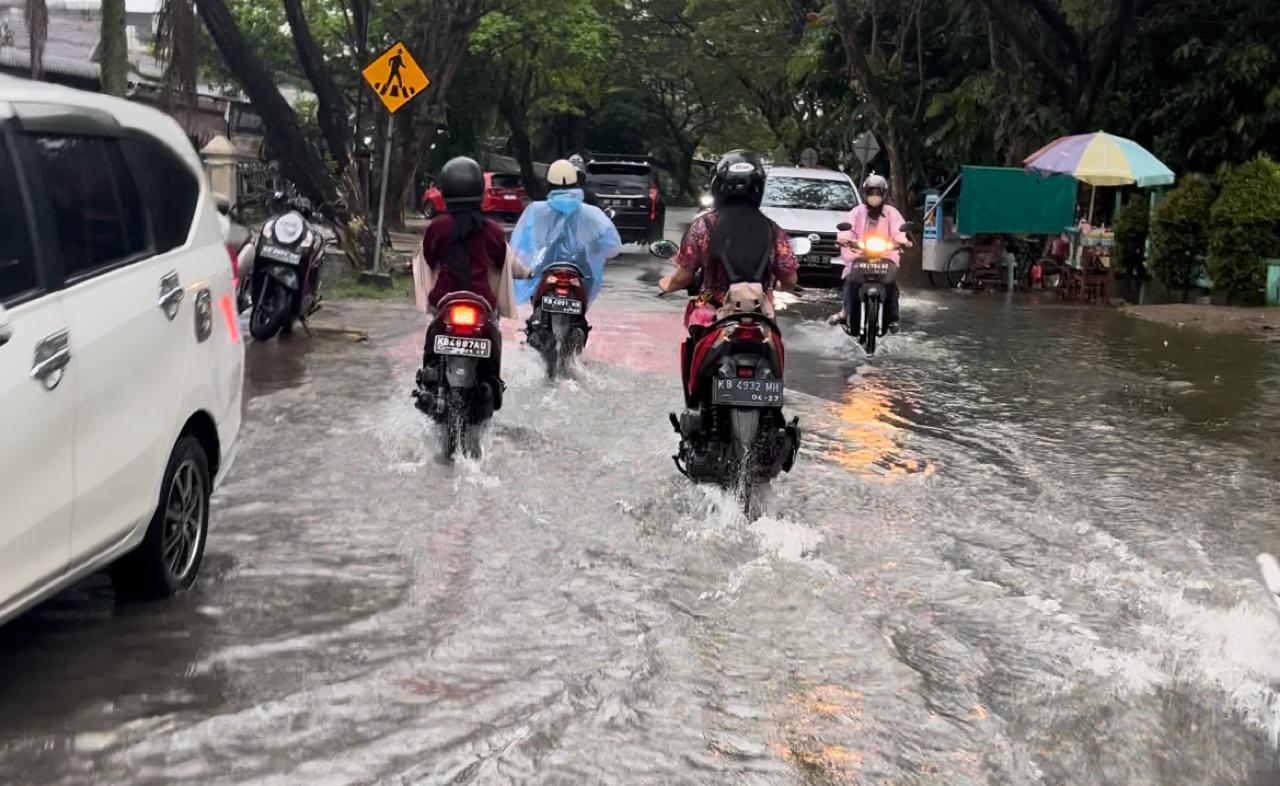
<point x="1017" y="549"/>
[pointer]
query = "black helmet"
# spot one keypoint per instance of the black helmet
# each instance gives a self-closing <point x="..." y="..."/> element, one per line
<point x="739" y="177"/>
<point x="461" y="183"/>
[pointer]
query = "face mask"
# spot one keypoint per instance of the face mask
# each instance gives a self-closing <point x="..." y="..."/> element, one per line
<point x="565" y="200"/>
<point x="875" y="200"/>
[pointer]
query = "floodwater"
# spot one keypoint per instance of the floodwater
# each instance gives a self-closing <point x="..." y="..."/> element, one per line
<point x="1017" y="549"/>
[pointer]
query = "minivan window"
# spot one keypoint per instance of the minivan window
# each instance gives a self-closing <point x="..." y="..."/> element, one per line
<point x="807" y="193"/>
<point x="18" y="279"/>
<point x="95" y="204"/>
<point x="169" y="188"/>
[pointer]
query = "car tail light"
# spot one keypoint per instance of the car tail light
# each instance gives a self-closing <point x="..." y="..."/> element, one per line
<point x="235" y="266"/>
<point x="653" y="202"/>
<point x="227" y="303"/>
<point x="463" y="315"/>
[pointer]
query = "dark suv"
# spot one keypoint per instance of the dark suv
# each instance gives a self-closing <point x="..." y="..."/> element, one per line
<point x="624" y="186"/>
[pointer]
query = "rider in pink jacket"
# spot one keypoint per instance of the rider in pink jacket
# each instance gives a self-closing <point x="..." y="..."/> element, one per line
<point x="872" y="217"/>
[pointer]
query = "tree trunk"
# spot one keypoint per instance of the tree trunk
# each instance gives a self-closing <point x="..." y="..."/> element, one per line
<point x="285" y="141"/>
<point x="512" y="113"/>
<point x="37" y="14"/>
<point x="115" y="58"/>
<point x="332" y="113"/>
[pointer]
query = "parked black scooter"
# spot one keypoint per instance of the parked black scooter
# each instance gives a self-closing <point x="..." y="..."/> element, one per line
<point x="286" y="275"/>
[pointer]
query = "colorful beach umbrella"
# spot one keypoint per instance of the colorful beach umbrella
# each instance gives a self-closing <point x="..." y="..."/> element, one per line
<point x="1101" y="159"/>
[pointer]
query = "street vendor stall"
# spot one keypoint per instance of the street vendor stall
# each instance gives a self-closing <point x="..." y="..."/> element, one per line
<point x="964" y="235"/>
<point x="1098" y="159"/>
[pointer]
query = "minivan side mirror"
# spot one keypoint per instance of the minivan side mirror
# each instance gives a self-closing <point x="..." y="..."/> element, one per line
<point x="6" y="329"/>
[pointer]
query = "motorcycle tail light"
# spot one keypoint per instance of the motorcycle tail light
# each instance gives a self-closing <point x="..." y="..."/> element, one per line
<point x="562" y="291"/>
<point x="746" y="331"/>
<point x="746" y="372"/>
<point x="463" y="315"/>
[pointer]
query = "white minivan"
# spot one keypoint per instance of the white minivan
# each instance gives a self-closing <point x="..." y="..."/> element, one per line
<point x="809" y="203"/>
<point x="121" y="361"/>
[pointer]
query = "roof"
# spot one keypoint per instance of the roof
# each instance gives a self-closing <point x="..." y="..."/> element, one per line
<point x="811" y="174"/>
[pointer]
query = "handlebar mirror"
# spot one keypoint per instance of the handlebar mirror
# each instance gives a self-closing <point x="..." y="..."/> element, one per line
<point x="801" y="246"/>
<point x="222" y="203"/>
<point x="664" y="249"/>
<point x="844" y="226"/>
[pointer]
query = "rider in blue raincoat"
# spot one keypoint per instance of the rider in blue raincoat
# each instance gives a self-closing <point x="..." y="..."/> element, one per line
<point x="564" y="229"/>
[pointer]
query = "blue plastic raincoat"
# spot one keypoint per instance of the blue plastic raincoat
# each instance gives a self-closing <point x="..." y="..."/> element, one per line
<point x="563" y="229"/>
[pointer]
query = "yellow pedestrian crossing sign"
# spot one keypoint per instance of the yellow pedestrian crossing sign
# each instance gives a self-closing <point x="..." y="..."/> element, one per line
<point x="396" y="77"/>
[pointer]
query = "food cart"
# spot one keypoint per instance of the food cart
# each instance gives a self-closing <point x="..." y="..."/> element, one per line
<point x="965" y="223"/>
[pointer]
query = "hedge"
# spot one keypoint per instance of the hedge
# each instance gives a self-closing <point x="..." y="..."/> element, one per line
<point x="1180" y="232"/>
<point x="1246" y="227"/>
<point x="1131" y="234"/>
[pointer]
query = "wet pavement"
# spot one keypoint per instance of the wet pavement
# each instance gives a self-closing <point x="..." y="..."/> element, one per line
<point x="1017" y="549"/>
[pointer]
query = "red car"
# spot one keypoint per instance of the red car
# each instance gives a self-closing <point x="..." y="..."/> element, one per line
<point x="503" y="196"/>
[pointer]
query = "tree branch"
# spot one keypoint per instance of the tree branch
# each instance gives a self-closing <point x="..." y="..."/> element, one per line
<point x="332" y="110"/>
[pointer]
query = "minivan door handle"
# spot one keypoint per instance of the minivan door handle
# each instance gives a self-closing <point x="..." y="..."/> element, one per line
<point x="52" y="355"/>
<point x="171" y="294"/>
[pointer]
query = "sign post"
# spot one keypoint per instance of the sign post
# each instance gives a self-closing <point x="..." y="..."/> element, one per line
<point x="865" y="147"/>
<point x="396" y="78"/>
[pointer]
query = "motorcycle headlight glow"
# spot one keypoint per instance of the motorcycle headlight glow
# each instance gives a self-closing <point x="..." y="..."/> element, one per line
<point x="706" y="200"/>
<point x="289" y="228"/>
<point x="877" y="245"/>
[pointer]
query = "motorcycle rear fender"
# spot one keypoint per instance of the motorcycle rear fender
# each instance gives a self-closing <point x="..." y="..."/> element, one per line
<point x="461" y="372"/>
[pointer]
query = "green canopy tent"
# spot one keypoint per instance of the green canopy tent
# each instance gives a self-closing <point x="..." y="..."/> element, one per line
<point x="1005" y="201"/>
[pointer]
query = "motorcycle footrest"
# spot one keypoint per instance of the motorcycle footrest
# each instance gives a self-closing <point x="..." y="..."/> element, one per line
<point x="675" y="422"/>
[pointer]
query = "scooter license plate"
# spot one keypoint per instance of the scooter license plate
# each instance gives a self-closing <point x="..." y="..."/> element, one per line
<point x="461" y="346"/>
<point x="561" y="305"/>
<point x="747" y="392"/>
<point x="278" y="254"/>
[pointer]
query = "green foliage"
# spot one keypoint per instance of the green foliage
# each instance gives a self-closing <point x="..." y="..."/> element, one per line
<point x="1131" y="226"/>
<point x="1246" y="227"/>
<point x="1179" y="235"/>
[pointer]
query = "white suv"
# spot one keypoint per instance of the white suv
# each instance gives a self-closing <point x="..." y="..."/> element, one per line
<point x="121" y="362"/>
<point x="810" y="203"/>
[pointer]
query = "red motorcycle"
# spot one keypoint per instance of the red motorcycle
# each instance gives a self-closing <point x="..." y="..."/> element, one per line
<point x="732" y="430"/>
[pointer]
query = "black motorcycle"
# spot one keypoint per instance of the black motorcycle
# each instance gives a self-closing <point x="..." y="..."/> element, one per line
<point x="458" y="384"/>
<point x="868" y="322"/>
<point x="286" y="273"/>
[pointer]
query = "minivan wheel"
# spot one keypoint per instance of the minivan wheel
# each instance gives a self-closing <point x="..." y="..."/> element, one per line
<point x="169" y="556"/>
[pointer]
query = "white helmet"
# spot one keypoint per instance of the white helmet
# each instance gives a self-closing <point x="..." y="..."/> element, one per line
<point x="875" y="181"/>
<point x="562" y="174"/>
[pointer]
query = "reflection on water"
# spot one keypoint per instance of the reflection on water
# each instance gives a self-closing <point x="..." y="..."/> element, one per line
<point x="870" y="434"/>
